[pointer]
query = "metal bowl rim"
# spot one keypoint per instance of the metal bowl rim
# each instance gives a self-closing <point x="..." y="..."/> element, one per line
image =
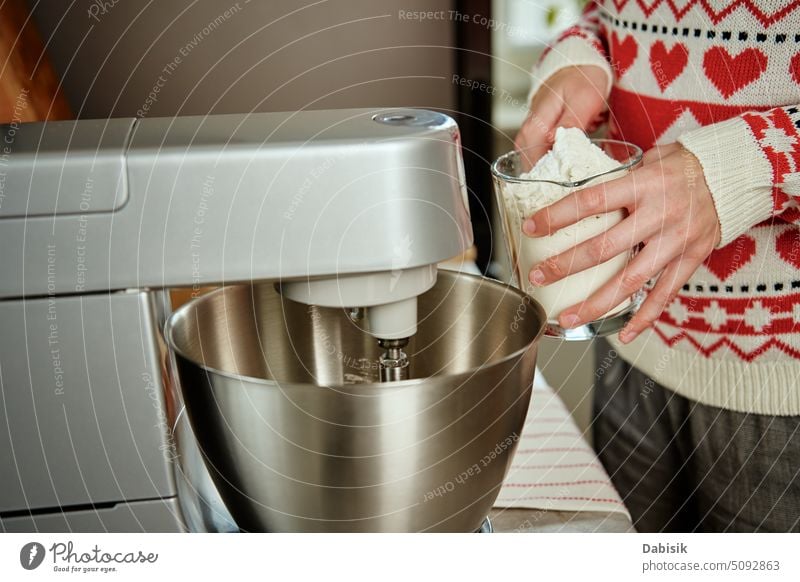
<point x="402" y="384"/>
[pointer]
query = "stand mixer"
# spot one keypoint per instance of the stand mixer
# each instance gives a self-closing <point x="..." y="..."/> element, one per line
<point x="347" y="211"/>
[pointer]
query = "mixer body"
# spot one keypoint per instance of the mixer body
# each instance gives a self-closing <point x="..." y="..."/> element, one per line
<point x="86" y="415"/>
<point x="348" y="208"/>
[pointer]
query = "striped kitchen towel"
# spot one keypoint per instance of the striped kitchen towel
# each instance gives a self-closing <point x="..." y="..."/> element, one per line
<point x="554" y="468"/>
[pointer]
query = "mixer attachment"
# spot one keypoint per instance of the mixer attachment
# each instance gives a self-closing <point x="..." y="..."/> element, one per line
<point x="393" y="361"/>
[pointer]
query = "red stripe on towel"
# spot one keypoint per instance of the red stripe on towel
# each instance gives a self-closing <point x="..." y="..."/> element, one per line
<point x="595" y="499"/>
<point x="556" y="450"/>
<point x="558" y="465"/>
<point x="559" y="483"/>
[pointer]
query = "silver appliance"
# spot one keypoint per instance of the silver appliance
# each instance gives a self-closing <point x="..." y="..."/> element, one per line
<point x="98" y="219"/>
<point x="300" y="434"/>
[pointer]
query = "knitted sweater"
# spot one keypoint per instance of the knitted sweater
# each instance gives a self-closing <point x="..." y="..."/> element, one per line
<point x="723" y="79"/>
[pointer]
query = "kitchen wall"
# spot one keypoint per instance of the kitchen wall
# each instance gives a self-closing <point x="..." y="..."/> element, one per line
<point x="120" y="57"/>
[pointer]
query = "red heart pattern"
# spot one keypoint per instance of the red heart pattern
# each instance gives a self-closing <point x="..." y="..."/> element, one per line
<point x="788" y="246"/>
<point x="767" y="13"/>
<point x="667" y="64"/>
<point x="623" y="53"/>
<point x="726" y="261"/>
<point x="794" y="68"/>
<point x="729" y="74"/>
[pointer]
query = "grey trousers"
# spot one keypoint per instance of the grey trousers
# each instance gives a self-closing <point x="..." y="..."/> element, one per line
<point x="683" y="466"/>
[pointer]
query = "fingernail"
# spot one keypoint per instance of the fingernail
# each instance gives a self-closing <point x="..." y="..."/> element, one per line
<point x="529" y="226"/>
<point x="537" y="277"/>
<point x="569" y="321"/>
<point x="626" y="336"/>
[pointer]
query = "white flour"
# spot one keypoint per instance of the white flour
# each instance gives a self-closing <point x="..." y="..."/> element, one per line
<point x="572" y="158"/>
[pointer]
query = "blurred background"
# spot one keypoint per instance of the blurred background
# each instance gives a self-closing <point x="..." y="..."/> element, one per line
<point x="140" y="58"/>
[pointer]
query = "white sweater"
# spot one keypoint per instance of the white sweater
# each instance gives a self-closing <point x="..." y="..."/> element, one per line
<point x="723" y="79"/>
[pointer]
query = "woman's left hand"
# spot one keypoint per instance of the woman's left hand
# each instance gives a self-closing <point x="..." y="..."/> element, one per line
<point x="670" y="210"/>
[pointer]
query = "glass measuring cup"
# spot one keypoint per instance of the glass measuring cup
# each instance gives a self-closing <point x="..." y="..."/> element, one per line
<point x="525" y="252"/>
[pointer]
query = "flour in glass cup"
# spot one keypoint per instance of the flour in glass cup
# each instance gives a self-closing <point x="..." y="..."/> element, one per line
<point x="572" y="158"/>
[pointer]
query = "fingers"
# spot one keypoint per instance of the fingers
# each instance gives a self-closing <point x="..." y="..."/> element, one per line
<point x="664" y="292"/>
<point x="532" y="133"/>
<point x="612" y="195"/>
<point x="537" y="130"/>
<point x="534" y="140"/>
<point x="643" y="267"/>
<point x="530" y="155"/>
<point x="578" y="114"/>
<point x="620" y="238"/>
<point x="572" y="97"/>
<point x="596" y="122"/>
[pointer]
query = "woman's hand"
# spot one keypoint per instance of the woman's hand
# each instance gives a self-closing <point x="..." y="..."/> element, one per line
<point x="670" y="210"/>
<point x="571" y="97"/>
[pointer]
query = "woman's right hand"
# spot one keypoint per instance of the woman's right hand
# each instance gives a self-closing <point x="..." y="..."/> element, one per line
<point x="571" y="97"/>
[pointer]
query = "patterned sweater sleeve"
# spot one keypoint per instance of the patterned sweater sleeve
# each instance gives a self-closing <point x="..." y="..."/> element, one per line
<point x="581" y="44"/>
<point x="751" y="164"/>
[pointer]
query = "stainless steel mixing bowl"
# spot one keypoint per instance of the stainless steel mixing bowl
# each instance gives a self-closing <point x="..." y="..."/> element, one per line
<point x="298" y="435"/>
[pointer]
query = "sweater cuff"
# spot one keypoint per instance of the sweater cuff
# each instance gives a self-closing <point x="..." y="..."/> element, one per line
<point x="736" y="172"/>
<point x="570" y="52"/>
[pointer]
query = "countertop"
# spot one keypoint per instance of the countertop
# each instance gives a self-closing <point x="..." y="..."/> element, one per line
<point x="544" y="521"/>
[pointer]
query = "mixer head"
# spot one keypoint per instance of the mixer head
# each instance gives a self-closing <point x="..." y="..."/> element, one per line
<point x="390" y="298"/>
